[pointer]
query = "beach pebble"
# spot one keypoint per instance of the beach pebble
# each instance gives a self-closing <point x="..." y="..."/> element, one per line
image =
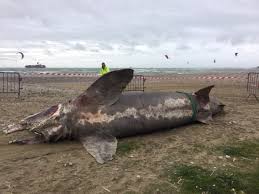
<point x="192" y="162"/>
<point x="220" y="157"/>
<point x="106" y="189"/>
<point x="11" y="125"/>
<point x="138" y="176"/>
<point x="227" y="156"/>
<point x="68" y="164"/>
<point x="232" y="122"/>
<point x="131" y="156"/>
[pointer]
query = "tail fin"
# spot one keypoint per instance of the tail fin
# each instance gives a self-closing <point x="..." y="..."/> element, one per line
<point x="204" y="113"/>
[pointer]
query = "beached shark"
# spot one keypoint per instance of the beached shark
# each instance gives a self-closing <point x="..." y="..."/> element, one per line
<point x="104" y="112"/>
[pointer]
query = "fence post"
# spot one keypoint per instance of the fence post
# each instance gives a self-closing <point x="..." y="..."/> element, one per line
<point x="11" y="82"/>
<point x="136" y="84"/>
<point x="253" y="84"/>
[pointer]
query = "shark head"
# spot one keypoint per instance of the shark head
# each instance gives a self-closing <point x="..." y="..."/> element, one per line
<point x="48" y="125"/>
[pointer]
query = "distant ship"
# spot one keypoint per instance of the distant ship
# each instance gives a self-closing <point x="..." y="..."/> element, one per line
<point x="35" y="66"/>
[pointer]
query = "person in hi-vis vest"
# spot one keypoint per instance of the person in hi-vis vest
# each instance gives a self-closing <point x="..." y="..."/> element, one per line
<point x="104" y="69"/>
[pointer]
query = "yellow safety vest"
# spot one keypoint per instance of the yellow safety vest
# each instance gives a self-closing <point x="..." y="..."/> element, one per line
<point x="104" y="71"/>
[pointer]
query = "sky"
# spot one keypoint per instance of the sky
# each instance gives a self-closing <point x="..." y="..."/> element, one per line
<point x="130" y="33"/>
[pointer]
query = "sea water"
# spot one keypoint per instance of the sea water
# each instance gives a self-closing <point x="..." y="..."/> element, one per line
<point x="142" y="71"/>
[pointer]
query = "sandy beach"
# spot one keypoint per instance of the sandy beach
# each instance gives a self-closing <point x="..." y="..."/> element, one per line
<point x="142" y="162"/>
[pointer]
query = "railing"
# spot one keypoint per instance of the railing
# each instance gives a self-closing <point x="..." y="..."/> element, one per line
<point x="253" y="85"/>
<point x="11" y="82"/>
<point x="136" y="84"/>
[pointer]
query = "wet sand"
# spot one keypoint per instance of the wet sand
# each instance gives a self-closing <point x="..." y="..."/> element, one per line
<point x="66" y="167"/>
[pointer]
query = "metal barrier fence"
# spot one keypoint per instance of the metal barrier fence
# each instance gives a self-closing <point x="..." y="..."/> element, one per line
<point x="253" y="85"/>
<point x="136" y="84"/>
<point x="11" y="82"/>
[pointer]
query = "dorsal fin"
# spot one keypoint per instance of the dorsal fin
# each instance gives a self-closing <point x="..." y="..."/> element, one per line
<point x="203" y="95"/>
<point x="107" y="89"/>
<point x="204" y="113"/>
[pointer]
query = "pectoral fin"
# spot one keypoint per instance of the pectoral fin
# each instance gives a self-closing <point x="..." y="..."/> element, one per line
<point x="204" y="117"/>
<point x="101" y="146"/>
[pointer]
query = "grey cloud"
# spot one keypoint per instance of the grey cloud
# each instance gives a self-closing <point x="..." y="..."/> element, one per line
<point x="117" y="21"/>
<point x="79" y="46"/>
<point x="48" y="52"/>
<point x="95" y="50"/>
<point x="7" y="52"/>
<point x="52" y="24"/>
<point x="183" y="47"/>
<point x="213" y="50"/>
<point x="104" y="46"/>
<point x="7" y="59"/>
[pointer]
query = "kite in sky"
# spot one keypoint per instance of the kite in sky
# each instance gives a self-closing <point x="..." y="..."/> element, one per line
<point x="22" y="55"/>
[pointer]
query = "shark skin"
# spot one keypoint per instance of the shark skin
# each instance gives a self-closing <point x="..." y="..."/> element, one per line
<point x="103" y="113"/>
